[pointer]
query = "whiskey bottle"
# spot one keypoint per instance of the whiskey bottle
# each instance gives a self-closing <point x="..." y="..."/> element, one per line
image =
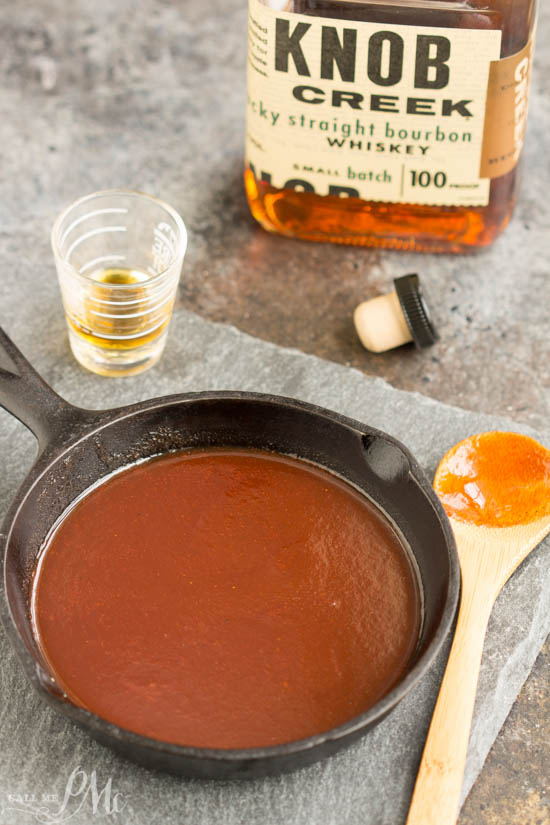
<point x="387" y="123"/>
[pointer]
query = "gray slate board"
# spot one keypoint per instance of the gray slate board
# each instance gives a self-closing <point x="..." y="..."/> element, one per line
<point x="371" y="783"/>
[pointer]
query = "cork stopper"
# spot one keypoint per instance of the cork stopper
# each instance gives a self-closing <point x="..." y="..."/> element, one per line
<point x="395" y="319"/>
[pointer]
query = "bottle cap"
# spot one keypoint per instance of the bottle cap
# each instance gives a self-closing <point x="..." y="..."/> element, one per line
<point x="415" y="310"/>
<point x="391" y="320"/>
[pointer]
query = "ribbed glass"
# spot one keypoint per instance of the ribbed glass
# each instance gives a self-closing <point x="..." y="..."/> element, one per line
<point x="118" y="256"/>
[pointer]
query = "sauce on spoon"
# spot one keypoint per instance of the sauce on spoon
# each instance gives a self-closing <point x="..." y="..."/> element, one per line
<point x="495" y="479"/>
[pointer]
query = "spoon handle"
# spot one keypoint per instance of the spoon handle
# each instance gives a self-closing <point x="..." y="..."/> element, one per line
<point x="436" y="797"/>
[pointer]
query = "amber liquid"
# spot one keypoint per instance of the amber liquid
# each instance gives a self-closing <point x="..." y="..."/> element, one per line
<point x="401" y="226"/>
<point x="119" y="319"/>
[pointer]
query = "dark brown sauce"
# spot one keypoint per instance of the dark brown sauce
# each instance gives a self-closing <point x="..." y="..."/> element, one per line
<point x="225" y="598"/>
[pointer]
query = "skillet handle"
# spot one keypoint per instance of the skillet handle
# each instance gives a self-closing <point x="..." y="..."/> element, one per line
<point x="26" y="395"/>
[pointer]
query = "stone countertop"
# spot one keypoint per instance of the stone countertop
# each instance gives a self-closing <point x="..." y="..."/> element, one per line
<point x="99" y="95"/>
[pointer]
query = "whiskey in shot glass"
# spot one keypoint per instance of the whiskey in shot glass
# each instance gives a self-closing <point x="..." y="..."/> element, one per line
<point x="118" y="255"/>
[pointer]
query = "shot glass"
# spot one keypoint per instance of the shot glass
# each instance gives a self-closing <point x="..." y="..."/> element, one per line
<point x="118" y="256"/>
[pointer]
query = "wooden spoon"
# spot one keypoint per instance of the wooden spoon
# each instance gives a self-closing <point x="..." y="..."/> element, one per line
<point x="495" y="488"/>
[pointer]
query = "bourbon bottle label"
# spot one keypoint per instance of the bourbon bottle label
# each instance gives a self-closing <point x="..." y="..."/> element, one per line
<point x="506" y="114"/>
<point x="391" y="113"/>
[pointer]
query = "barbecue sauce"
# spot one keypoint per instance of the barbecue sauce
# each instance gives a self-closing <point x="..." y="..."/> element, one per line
<point x="495" y="479"/>
<point x="225" y="599"/>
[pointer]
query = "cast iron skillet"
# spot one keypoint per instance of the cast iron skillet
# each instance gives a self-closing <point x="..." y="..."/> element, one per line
<point x="77" y="447"/>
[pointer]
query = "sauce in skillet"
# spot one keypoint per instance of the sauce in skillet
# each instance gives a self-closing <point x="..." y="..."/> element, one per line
<point x="226" y="599"/>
